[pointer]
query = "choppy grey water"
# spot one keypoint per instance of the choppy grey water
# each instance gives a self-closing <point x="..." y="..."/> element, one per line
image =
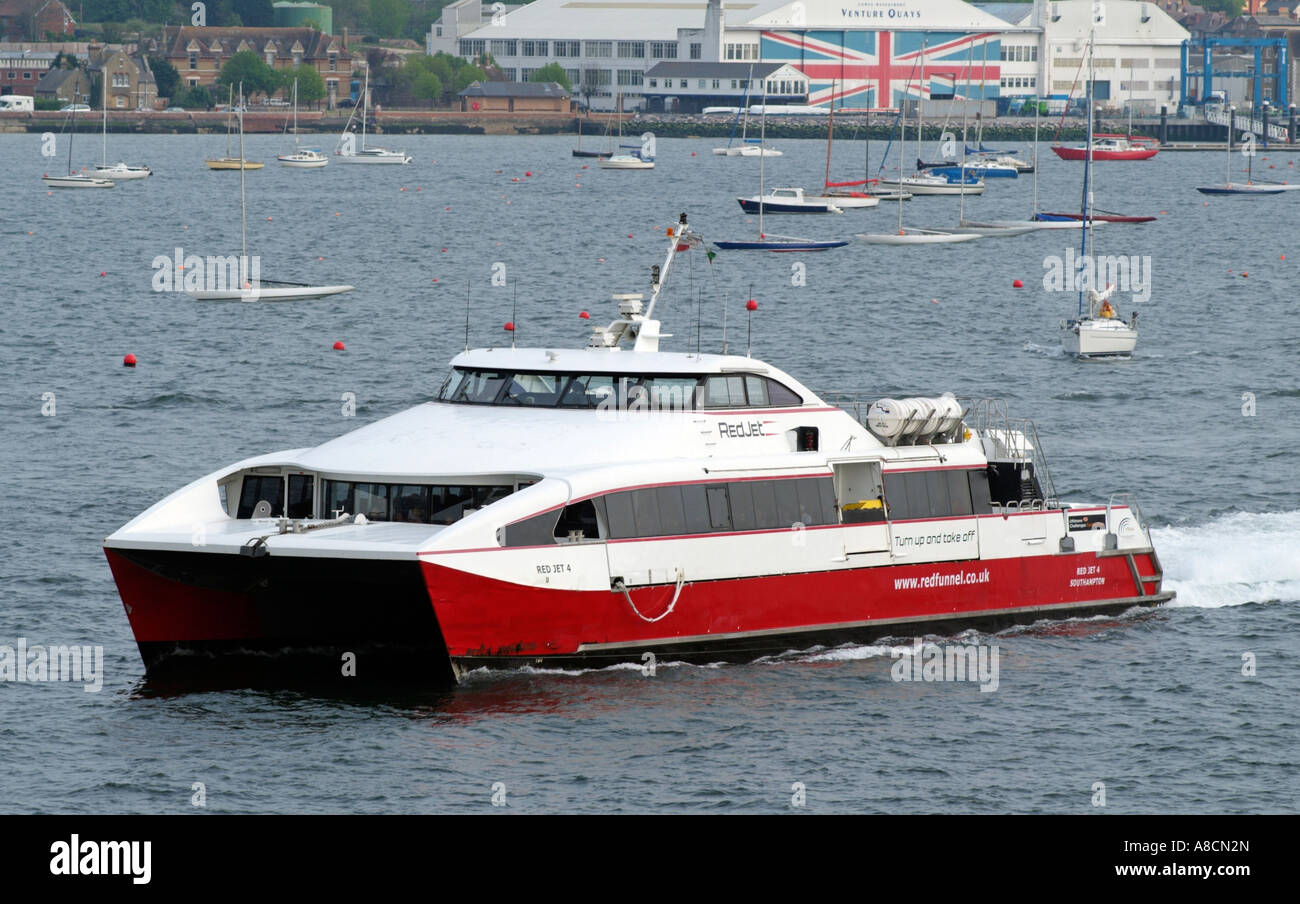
<point x="1154" y="705"/>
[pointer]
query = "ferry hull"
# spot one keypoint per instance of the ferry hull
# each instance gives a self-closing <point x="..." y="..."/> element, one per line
<point x="491" y="622"/>
<point x="197" y="613"/>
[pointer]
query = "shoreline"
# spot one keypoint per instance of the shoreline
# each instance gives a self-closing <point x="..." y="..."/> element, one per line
<point x="1182" y="134"/>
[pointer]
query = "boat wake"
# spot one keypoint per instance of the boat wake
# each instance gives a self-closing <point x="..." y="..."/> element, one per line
<point x="1244" y="557"/>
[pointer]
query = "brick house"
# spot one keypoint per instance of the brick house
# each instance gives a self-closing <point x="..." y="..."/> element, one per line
<point x="199" y="53"/>
<point x="66" y="86"/>
<point x="131" y="84"/>
<point x="32" y="20"/>
<point x="21" y="70"/>
<point x="515" y="97"/>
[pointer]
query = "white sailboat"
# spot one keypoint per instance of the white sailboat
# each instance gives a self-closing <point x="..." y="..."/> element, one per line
<point x="251" y="287"/>
<point x="120" y="170"/>
<point x="302" y="158"/>
<point x="1097" y="331"/>
<point x="347" y="152"/>
<point x="911" y="235"/>
<point x="75" y="180"/>
<point x="621" y="160"/>
<point x="748" y="147"/>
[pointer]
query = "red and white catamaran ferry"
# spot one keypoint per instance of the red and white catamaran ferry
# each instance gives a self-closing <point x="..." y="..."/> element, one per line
<point x="557" y="506"/>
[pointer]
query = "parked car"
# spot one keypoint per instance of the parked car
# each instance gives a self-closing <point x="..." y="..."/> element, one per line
<point x="74" y="108"/>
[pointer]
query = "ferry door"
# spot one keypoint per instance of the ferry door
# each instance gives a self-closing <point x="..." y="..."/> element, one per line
<point x="860" y="493"/>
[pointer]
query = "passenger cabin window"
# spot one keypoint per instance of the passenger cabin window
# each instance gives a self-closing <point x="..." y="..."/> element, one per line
<point x="929" y="494"/>
<point x="660" y="392"/>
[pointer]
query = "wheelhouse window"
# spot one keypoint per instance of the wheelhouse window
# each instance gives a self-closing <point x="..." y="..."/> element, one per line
<point x="659" y="392"/>
<point x="410" y="503"/>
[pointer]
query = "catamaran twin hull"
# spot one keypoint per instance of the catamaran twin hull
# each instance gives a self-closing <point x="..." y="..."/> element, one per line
<point x="465" y="609"/>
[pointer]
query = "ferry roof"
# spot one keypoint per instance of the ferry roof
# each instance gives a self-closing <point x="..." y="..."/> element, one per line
<point x="616" y="360"/>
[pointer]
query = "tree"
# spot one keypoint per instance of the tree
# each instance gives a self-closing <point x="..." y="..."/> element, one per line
<point x="427" y="86"/>
<point x="166" y="76"/>
<point x="196" y="98"/>
<point x="311" y="87"/>
<point x="1230" y="8"/>
<point x="388" y="17"/>
<point x="552" y="72"/>
<point x="250" y="69"/>
<point x="468" y="75"/>
<point x="253" y="13"/>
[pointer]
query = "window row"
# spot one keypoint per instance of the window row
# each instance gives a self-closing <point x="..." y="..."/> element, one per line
<point x="695" y="508"/>
<point x="1019" y="53"/>
<point x="931" y="494"/>
<point x="415" y="503"/>
<point x="640" y="392"/>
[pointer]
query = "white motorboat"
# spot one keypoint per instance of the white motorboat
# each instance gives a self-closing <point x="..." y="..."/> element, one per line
<point x="580" y="507"/>
<point x="787" y="200"/>
<point x="301" y="158"/>
<point x="347" y="152"/>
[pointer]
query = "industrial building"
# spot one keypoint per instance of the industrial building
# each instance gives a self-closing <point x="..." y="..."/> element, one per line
<point x="853" y="54"/>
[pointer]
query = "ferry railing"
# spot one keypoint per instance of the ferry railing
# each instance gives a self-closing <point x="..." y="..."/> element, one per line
<point x="1123" y="499"/>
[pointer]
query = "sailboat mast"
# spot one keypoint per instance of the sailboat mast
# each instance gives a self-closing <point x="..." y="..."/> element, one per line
<point x="830" y="132"/>
<point x="1036" y="108"/>
<point x="762" y="156"/>
<point x="1087" y="168"/>
<point x="243" y="217"/>
<point x="1227" y="169"/>
<point x="920" y="96"/>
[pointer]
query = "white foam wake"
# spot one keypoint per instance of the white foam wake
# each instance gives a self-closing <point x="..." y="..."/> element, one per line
<point x="1240" y="558"/>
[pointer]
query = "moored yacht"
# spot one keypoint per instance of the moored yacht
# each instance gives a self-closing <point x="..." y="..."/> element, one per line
<point x="556" y="506"/>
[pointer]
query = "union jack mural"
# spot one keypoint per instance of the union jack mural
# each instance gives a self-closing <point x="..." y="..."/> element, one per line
<point x="876" y="69"/>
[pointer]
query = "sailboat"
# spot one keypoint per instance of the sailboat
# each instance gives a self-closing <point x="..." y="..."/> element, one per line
<point x="75" y="180"/>
<point x="911" y="235"/>
<point x="251" y="287"/>
<point x="765" y="242"/>
<point x="748" y="147"/>
<point x="374" y="155"/>
<point x="1097" y="330"/>
<point x="1249" y="187"/>
<point x="302" y="158"/>
<point x="117" y="171"/>
<point x="922" y="182"/>
<point x="227" y="162"/>
<point x="579" y="152"/>
<point x="832" y="192"/>
<point x="621" y="160"/>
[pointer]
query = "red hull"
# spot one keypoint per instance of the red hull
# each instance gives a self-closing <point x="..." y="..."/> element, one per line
<point x="1081" y="153"/>
<point x="484" y="618"/>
